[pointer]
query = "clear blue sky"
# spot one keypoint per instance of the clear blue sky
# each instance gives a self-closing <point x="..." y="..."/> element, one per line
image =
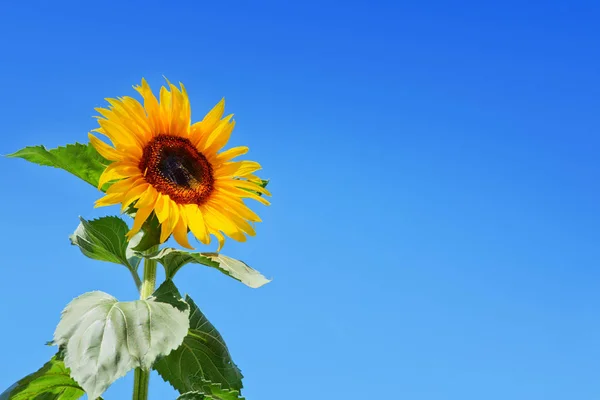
<point x="434" y="232"/>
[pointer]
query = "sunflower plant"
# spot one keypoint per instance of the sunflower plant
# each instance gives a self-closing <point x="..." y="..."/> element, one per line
<point x="172" y="178"/>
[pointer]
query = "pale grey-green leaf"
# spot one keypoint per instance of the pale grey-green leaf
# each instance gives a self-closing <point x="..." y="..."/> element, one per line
<point x="104" y="338"/>
<point x="238" y="269"/>
<point x="173" y="260"/>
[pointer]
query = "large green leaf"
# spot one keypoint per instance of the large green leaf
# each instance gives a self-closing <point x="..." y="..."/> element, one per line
<point x="192" y="396"/>
<point x="51" y="382"/>
<point x="202" y="357"/>
<point x="167" y="293"/>
<point x="211" y="391"/>
<point x="150" y="234"/>
<point x="173" y="260"/>
<point x="79" y="159"/>
<point x="104" y="338"/>
<point x="104" y="239"/>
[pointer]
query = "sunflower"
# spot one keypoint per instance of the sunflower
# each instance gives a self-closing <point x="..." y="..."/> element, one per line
<point x="163" y="163"/>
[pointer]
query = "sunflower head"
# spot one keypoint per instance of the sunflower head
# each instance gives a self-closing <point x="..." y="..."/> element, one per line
<point x="164" y="164"/>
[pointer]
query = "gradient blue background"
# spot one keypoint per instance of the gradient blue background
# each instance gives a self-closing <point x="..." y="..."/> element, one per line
<point x="434" y="232"/>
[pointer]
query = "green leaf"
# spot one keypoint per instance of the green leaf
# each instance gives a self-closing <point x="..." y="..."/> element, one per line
<point x="211" y="391"/>
<point x="51" y="382"/>
<point x="167" y="293"/>
<point x="202" y="357"/>
<point x="79" y="159"/>
<point x="264" y="183"/>
<point x="150" y="236"/>
<point x="104" y="239"/>
<point x="192" y="396"/>
<point x="173" y="260"/>
<point x="104" y="338"/>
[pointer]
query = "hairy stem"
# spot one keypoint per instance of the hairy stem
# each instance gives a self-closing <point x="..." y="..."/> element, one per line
<point x="136" y="279"/>
<point x="141" y="378"/>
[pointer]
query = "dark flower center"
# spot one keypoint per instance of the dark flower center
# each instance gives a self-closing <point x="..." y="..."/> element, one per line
<point x="175" y="167"/>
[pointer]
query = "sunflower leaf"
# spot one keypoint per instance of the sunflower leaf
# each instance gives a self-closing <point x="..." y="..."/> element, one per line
<point x="51" y="382"/>
<point x="104" y="239"/>
<point x="104" y="338"/>
<point x="215" y="391"/>
<point x="79" y="159"/>
<point x="193" y="396"/>
<point x="173" y="260"/>
<point x="203" y="357"/>
<point x="150" y="236"/>
<point x="264" y="183"/>
<point x="238" y="270"/>
<point x="211" y="391"/>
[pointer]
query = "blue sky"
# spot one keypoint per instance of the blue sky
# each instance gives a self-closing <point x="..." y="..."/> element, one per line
<point x="434" y="169"/>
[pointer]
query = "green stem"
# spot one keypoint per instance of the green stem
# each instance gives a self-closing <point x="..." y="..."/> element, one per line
<point x="141" y="378"/>
<point x="149" y="282"/>
<point x="136" y="279"/>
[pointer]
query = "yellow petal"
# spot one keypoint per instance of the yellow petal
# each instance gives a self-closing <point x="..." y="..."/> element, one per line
<point x="138" y="114"/>
<point x="180" y="233"/>
<point x="161" y="207"/>
<point x="196" y="133"/>
<point x="141" y="216"/>
<point x="195" y="221"/>
<point x="148" y="198"/>
<point x="217" y="221"/>
<point x="116" y="129"/>
<point x="230" y="154"/>
<point x="176" y="125"/>
<point x="133" y="194"/>
<point x="128" y="124"/>
<point x="221" y="240"/>
<point x="200" y="131"/>
<point x="229" y="215"/>
<point x="109" y="200"/>
<point x="172" y="219"/>
<point x="151" y="106"/>
<point x="186" y="110"/>
<point x="105" y="150"/>
<point x="214" y="116"/>
<point x="253" y="178"/>
<point x="244" y="194"/>
<point x="237" y="206"/>
<point x="165" y="110"/>
<point x="118" y="170"/>
<point x="132" y="115"/>
<point x="240" y="183"/>
<point x="120" y="137"/>
<point x="219" y="137"/>
<point x="237" y="168"/>
<point x="123" y="186"/>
